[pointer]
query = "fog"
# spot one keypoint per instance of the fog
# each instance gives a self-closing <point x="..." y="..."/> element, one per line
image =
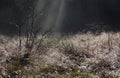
<point x="63" y="16"/>
<point x="79" y="15"/>
<point x="50" y="14"/>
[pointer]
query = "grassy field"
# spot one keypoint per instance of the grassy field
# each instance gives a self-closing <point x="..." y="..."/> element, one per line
<point x="55" y="56"/>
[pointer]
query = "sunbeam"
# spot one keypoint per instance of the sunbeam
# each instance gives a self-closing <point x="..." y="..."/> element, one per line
<point x="50" y="13"/>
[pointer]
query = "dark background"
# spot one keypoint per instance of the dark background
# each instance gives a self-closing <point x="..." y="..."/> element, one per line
<point x="13" y="14"/>
<point x="84" y="14"/>
<point x="80" y="15"/>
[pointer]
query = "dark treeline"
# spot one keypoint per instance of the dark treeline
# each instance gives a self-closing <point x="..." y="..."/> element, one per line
<point x="79" y="15"/>
<point x="13" y="13"/>
<point x="84" y="14"/>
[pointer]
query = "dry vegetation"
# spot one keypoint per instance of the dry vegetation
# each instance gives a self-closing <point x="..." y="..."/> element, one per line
<point x="53" y="56"/>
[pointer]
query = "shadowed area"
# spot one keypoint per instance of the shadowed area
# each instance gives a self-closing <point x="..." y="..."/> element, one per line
<point x="63" y="16"/>
<point x="91" y="14"/>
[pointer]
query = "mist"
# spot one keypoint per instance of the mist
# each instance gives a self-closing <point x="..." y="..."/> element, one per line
<point x="64" y="16"/>
<point x="78" y="15"/>
<point x="50" y="14"/>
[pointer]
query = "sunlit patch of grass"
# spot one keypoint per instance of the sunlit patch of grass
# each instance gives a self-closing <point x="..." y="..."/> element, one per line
<point x="101" y="65"/>
<point x="104" y="74"/>
<point x="83" y="55"/>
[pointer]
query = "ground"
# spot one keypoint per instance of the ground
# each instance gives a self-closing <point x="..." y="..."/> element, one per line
<point x="61" y="56"/>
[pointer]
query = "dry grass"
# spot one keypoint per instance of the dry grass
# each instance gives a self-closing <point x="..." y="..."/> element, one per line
<point x="78" y="55"/>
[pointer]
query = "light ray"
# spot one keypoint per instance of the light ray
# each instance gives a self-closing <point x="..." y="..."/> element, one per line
<point x="50" y="14"/>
